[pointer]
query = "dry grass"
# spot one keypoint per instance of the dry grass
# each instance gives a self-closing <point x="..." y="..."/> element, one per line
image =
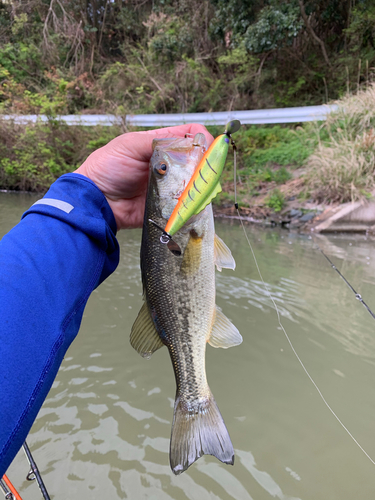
<point x="342" y="166"/>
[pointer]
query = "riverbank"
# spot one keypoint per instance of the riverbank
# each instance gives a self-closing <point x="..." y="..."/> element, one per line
<point x="296" y="175"/>
<point x="353" y="217"/>
<point x="325" y="181"/>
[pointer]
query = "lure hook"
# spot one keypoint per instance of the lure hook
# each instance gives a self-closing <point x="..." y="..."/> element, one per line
<point x="166" y="239"/>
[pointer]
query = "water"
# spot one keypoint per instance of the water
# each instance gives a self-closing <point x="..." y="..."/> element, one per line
<point x="104" y="430"/>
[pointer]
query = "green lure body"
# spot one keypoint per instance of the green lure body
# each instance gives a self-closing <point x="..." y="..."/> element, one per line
<point x="204" y="184"/>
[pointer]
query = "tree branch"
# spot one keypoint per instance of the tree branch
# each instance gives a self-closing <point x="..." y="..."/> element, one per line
<point x="312" y="32"/>
<point x="103" y="23"/>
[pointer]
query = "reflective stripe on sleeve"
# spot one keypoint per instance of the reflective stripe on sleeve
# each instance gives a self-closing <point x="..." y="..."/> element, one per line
<point x="62" y="205"/>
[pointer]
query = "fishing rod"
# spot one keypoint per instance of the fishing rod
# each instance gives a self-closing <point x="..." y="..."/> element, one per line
<point x="7" y="493"/>
<point x="357" y="295"/>
<point x="10" y="491"/>
<point x="34" y="472"/>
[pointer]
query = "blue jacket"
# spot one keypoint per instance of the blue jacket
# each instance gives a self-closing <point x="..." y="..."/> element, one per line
<point x="63" y="248"/>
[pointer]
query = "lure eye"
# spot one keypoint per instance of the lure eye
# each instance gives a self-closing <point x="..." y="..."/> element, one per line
<point x="161" y="169"/>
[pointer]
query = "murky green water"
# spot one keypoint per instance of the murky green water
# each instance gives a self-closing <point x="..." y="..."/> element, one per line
<point x="104" y="430"/>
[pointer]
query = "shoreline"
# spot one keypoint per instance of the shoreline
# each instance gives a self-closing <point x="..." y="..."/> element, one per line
<point x="309" y="217"/>
<point x="353" y="217"/>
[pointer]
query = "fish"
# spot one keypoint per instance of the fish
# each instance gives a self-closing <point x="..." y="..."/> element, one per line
<point x="179" y="309"/>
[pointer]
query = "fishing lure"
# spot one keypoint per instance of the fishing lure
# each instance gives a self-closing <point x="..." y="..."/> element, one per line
<point x="202" y="188"/>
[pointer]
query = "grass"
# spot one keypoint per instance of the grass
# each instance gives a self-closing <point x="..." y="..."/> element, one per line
<point x="268" y="156"/>
<point x="275" y="200"/>
<point x="342" y="167"/>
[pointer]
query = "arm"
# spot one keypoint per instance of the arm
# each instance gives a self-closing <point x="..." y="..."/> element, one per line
<point x="49" y="265"/>
<point x="62" y="249"/>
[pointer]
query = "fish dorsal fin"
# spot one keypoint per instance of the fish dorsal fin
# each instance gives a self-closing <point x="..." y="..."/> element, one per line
<point x="208" y="200"/>
<point x="223" y="334"/>
<point x="144" y="337"/>
<point x="222" y="255"/>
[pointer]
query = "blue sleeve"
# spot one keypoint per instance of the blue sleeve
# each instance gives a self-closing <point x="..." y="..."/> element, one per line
<point x="62" y="249"/>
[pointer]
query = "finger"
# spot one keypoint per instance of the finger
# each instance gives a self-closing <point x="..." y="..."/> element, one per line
<point x="181" y="131"/>
<point x="139" y="144"/>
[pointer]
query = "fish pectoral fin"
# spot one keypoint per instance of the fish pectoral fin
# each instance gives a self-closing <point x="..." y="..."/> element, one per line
<point x="224" y="334"/>
<point x="222" y="255"/>
<point x="208" y="200"/>
<point x="144" y="336"/>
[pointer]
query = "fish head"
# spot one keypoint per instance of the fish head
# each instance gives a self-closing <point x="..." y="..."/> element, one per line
<point x="172" y="165"/>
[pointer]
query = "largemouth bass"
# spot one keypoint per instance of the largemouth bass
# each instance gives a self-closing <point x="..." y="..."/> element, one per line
<point x="179" y="309"/>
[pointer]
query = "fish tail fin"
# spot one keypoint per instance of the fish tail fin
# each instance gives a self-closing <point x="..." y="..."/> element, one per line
<point x="197" y="433"/>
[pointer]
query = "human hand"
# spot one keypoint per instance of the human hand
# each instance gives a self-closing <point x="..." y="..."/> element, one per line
<point x="120" y="170"/>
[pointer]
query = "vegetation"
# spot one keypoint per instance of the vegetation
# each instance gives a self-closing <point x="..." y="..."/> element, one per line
<point x="276" y="200"/>
<point x="334" y="160"/>
<point x="331" y="161"/>
<point x="33" y="156"/>
<point x="157" y="56"/>
<point x="268" y="156"/>
<point x="342" y="167"/>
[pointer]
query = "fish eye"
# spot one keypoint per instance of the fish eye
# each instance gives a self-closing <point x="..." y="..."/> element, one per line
<point x="161" y="169"/>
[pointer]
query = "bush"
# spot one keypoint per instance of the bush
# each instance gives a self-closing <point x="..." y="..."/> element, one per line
<point x="34" y="156"/>
<point x="274" y="145"/>
<point x="275" y="200"/>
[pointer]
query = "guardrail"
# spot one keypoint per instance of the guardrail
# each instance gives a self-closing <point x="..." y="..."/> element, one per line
<point x="261" y="116"/>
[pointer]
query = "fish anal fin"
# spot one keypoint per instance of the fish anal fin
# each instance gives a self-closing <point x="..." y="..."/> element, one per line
<point x="223" y="334"/>
<point x="198" y="432"/>
<point x="144" y="336"/>
<point x="208" y="200"/>
<point x="222" y="255"/>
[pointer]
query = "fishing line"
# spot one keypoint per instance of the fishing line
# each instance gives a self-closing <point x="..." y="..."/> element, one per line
<point x="287" y="336"/>
<point x="235" y="175"/>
